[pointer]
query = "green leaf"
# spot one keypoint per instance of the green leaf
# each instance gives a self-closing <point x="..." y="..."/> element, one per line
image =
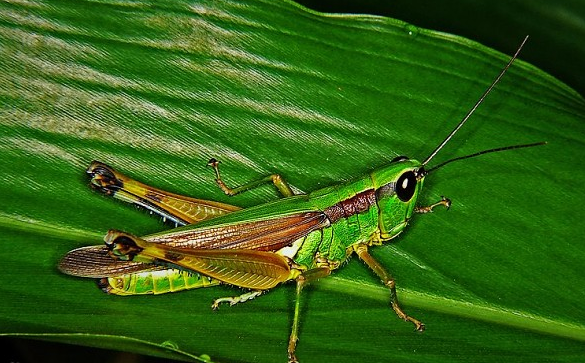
<point x="156" y="89"/>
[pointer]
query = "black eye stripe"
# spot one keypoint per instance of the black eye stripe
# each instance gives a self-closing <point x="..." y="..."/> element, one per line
<point x="385" y="190"/>
<point x="399" y="158"/>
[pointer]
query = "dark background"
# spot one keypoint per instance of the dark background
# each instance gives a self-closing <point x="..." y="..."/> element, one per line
<point x="556" y="28"/>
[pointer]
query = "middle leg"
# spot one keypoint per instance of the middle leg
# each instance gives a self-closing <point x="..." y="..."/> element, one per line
<point x="275" y="179"/>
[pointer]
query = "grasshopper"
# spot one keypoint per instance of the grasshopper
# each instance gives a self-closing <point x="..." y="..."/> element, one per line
<point x="301" y="237"/>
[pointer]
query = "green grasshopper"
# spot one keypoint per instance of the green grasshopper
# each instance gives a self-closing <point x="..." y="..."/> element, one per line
<point x="301" y="237"/>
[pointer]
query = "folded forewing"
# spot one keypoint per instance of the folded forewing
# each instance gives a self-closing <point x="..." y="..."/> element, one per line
<point x="95" y="261"/>
<point x="269" y="234"/>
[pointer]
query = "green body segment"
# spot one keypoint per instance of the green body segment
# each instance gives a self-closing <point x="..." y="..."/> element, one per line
<point x="361" y="211"/>
<point x="155" y="282"/>
<point x="332" y="243"/>
<point x="328" y="223"/>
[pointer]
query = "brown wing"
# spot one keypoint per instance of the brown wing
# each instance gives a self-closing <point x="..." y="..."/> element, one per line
<point x="262" y="235"/>
<point x="95" y="261"/>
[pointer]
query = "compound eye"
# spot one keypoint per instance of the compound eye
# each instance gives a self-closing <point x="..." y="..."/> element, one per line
<point x="405" y="186"/>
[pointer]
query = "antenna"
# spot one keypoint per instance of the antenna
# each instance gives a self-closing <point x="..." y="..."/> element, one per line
<point x="479" y="102"/>
<point x="485" y="152"/>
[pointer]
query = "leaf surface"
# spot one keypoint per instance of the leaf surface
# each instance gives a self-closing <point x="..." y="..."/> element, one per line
<point x="157" y="88"/>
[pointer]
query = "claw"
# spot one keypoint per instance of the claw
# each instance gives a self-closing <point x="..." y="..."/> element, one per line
<point x="446" y="202"/>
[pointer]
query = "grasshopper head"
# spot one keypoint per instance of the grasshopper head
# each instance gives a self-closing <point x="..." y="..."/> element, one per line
<point x="398" y="185"/>
<point x="397" y="188"/>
